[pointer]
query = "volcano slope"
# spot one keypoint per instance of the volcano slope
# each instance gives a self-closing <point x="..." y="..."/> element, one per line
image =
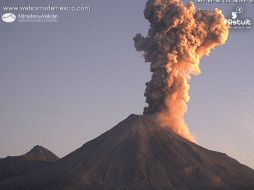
<point x="138" y="154"/>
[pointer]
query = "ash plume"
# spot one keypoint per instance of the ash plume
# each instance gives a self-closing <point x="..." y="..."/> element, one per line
<point x="179" y="36"/>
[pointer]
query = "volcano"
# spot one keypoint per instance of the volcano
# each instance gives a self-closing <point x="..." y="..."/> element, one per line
<point x="138" y="154"/>
<point x="36" y="158"/>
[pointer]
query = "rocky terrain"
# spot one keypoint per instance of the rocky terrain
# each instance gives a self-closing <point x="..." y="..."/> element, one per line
<point x="138" y="154"/>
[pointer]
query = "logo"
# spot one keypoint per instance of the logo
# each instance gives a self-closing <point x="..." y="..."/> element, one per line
<point x="239" y="10"/>
<point x="236" y="22"/>
<point x="42" y="18"/>
<point x="8" y="17"/>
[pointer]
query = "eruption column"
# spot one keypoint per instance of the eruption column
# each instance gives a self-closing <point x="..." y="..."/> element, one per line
<point x="179" y="36"/>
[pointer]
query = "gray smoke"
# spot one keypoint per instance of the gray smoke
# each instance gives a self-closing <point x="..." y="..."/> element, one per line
<point x="178" y="37"/>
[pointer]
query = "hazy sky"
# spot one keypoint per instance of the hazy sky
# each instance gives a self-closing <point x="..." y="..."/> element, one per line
<point x="62" y="84"/>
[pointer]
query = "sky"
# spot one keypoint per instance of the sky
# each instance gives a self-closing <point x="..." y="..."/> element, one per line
<point x="64" y="83"/>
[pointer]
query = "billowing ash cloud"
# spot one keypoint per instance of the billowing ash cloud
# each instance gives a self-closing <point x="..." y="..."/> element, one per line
<point x="178" y="37"/>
